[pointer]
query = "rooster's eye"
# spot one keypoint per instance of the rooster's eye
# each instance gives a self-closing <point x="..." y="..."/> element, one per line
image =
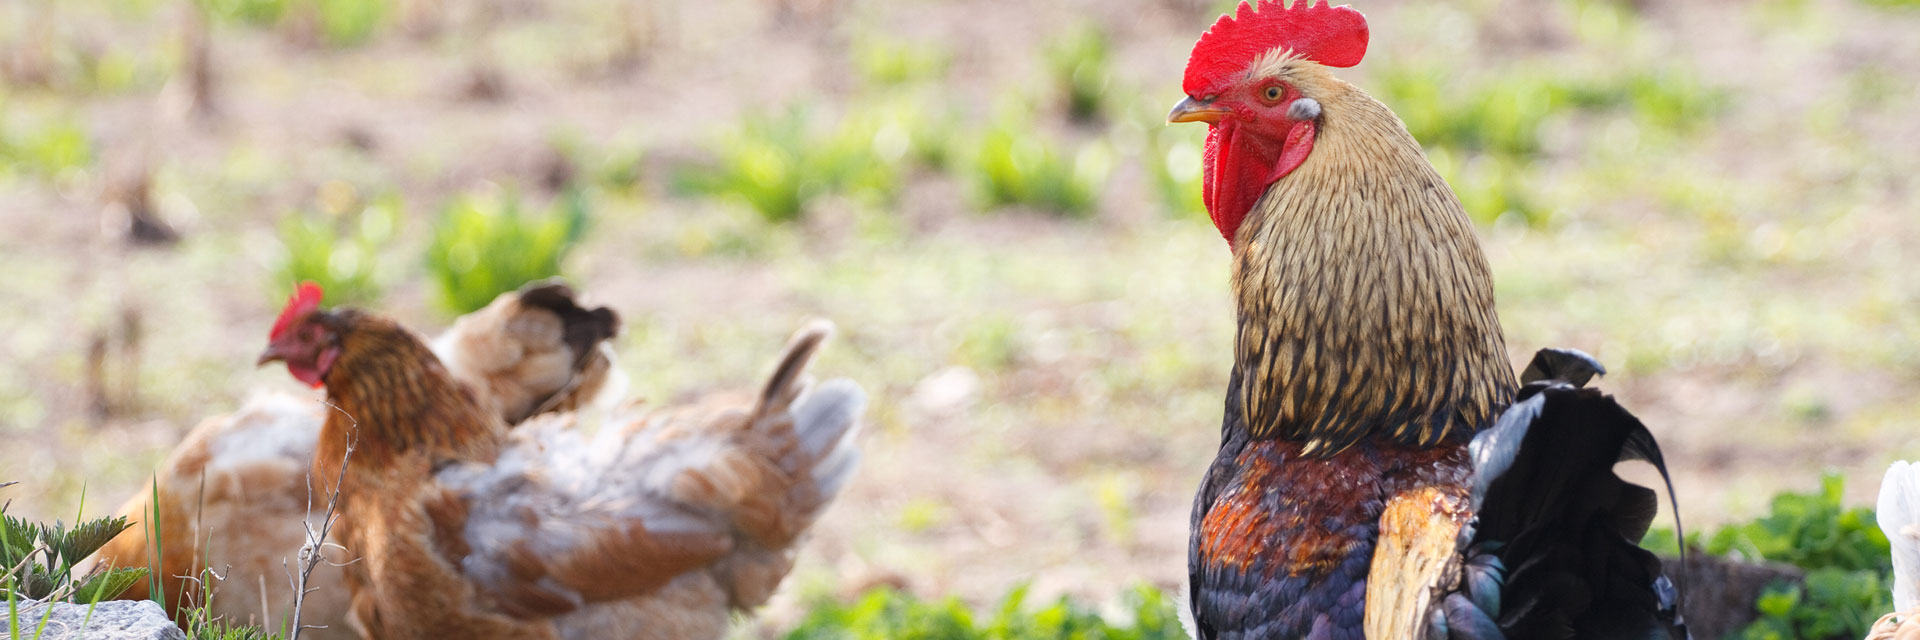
<point x="1273" y="93"/>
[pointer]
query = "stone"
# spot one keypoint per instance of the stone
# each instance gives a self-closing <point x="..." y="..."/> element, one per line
<point x="1720" y="592"/>
<point x="111" y="620"/>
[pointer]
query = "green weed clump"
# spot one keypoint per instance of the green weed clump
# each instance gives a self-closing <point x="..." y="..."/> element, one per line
<point x="889" y="615"/>
<point x="1483" y="134"/>
<point x="1078" y="63"/>
<point x="1173" y="157"/>
<point x="37" y="563"/>
<point x="1848" y="561"/>
<point x="48" y="149"/>
<point x="779" y="164"/>
<point x="1015" y="167"/>
<point x="485" y="246"/>
<point x="40" y="559"/>
<point x="886" y="62"/>
<point x="340" y="251"/>
<point x="339" y="22"/>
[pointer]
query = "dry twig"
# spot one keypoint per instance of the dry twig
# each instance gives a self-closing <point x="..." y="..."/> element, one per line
<point x="314" y="551"/>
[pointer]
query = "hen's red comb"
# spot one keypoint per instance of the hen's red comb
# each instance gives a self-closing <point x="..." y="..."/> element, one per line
<point x="305" y="299"/>
<point x="1333" y="36"/>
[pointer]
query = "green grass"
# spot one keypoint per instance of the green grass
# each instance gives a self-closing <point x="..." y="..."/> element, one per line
<point x="340" y="22"/>
<point x="1485" y="133"/>
<point x="778" y="164"/>
<point x="351" y="22"/>
<point x="1172" y="155"/>
<point x="885" y="61"/>
<point x="889" y="615"/>
<point x="486" y="245"/>
<point x="1015" y="166"/>
<point x="255" y="12"/>
<point x="49" y="149"/>
<point x="1078" y="62"/>
<point x="339" y="248"/>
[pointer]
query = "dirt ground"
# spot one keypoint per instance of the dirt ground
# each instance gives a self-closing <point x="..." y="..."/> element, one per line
<point x="1046" y="390"/>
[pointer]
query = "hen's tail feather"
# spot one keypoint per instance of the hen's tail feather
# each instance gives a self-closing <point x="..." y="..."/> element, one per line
<point x="583" y="328"/>
<point x="825" y="422"/>
<point x="1898" y="512"/>
<point x="788" y="378"/>
<point x="1566" y="529"/>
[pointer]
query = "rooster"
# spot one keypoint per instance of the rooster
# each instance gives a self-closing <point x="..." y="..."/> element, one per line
<point x="661" y="525"/>
<point x="234" y="495"/>
<point x="1381" y="473"/>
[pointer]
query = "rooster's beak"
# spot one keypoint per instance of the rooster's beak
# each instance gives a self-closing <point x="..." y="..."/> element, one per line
<point x="272" y="354"/>
<point x="1191" y="110"/>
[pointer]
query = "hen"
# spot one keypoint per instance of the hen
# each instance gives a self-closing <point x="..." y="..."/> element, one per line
<point x="661" y="525"/>
<point x="234" y="496"/>
<point x="1381" y="474"/>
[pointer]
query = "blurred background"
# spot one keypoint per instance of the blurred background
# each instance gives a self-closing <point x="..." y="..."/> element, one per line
<point x="1716" y="198"/>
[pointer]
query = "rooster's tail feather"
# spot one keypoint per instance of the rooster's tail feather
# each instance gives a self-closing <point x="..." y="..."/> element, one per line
<point x="1563" y="528"/>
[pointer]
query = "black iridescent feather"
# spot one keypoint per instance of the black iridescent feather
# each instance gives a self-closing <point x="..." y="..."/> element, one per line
<point x="1555" y="529"/>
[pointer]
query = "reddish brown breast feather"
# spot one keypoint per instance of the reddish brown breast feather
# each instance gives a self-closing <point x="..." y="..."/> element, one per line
<point x="1281" y="518"/>
<point x="1333" y="36"/>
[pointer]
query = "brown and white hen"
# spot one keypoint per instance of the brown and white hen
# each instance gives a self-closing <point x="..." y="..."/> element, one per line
<point x="234" y="496"/>
<point x="660" y="525"/>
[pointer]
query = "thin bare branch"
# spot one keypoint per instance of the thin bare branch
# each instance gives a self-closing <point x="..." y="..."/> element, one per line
<point x="314" y="551"/>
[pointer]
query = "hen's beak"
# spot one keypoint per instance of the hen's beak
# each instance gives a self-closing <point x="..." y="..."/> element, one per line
<point x="272" y="354"/>
<point x="1191" y="110"/>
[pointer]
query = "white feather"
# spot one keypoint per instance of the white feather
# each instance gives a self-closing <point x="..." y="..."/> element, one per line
<point x="1899" y="505"/>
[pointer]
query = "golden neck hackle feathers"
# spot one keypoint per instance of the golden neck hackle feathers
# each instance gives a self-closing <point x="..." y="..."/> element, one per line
<point x="1366" y="305"/>
<point x="393" y="399"/>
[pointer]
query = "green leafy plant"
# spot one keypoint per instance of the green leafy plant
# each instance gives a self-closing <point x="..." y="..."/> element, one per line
<point x="885" y="61"/>
<point x="39" y="560"/>
<point x="350" y="22"/>
<point x="1078" y="63"/>
<point x="1499" y="115"/>
<point x="890" y="615"/>
<point x="1484" y="133"/>
<point x="49" y="149"/>
<point x="340" y="251"/>
<point x="1491" y="186"/>
<point x="340" y="22"/>
<point x="1831" y="603"/>
<point x="255" y="12"/>
<point x="778" y="164"/>
<point x="1173" y="157"/>
<point x="1847" y="558"/>
<point x="1810" y="530"/>
<point x="485" y="245"/>
<point x="1012" y="166"/>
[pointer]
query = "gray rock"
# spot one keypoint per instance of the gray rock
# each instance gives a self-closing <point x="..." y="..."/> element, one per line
<point x="112" y="620"/>
<point x="1720" y="592"/>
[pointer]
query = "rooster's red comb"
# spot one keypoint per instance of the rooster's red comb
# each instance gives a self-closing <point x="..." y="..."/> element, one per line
<point x="1333" y="36"/>
<point x="305" y="299"/>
